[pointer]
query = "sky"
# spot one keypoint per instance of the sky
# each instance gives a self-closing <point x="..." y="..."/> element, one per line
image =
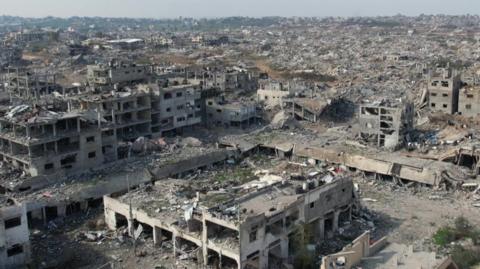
<point x="225" y="8"/>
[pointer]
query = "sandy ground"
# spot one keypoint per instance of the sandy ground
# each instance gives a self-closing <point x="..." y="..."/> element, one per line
<point x="412" y="216"/>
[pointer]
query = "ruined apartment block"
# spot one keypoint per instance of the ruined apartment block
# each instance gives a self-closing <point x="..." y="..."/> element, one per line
<point x="175" y="107"/>
<point x="443" y="88"/>
<point x="469" y="101"/>
<point x="252" y="228"/>
<point x="386" y="124"/>
<point x="272" y="93"/>
<point x="29" y="36"/>
<point x="25" y="85"/>
<point x="363" y="253"/>
<point x="116" y="72"/>
<point x="46" y="142"/>
<point x="238" y="80"/>
<point x="96" y="130"/>
<point x="230" y="114"/>
<point x="14" y="235"/>
<point x="308" y="109"/>
<point x="125" y="115"/>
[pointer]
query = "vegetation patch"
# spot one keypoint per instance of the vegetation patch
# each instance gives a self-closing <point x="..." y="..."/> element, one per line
<point x="466" y="254"/>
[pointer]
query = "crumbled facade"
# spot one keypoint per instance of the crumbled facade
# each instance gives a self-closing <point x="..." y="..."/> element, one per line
<point x="46" y="142"/>
<point x="175" y="108"/>
<point x="14" y="235"/>
<point x="308" y="109"/>
<point x="246" y="229"/>
<point x="25" y="85"/>
<point x="272" y="93"/>
<point x="443" y="88"/>
<point x="386" y="124"/>
<point x="220" y="112"/>
<point x="116" y="73"/>
<point x="362" y="253"/>
<point x="469" y="101"/>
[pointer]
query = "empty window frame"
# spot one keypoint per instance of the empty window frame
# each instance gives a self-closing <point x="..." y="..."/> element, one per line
<point x="13" y="222"/>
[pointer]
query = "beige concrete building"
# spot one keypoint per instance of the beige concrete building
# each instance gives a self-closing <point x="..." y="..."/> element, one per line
<point x="469" y="101"/>
<point x="386" y="124"/>
<point x="220" y="112"/>
<point x="361" y="253"/>
<point x="175" y="107"/>
<point x="443" y="88"/>
<point x="45" y="142"/>
<point x="124" y="116"/>
<point x="14" y="235"/>
<point x="116" y="73"/>
<point x="29" y="86"/>
<point x="308" y="109"/>
<point x="248" y="228"/>
<point x="272" y="93"/>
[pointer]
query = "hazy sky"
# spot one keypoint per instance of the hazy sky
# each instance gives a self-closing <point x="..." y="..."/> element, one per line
<point x="222" y="8"/>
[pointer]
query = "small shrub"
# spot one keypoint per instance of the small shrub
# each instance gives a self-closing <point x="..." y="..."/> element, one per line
<point x="444" y="236"/>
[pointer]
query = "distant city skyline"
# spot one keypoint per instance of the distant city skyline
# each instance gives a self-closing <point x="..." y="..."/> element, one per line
<point x="226" y="8"/>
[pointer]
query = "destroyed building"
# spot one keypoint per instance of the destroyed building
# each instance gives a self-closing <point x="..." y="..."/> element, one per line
<point x="127" y="44"/>
<point x="175" y="107"/>
<point x="220" y="112"/>
<point x="45" y="142"/>
<point x="308" y="109"/>
<point x="128" y="110"/>
<point x="251" y="226"/>
<point x="272" y="93"/>
<point x="90" y="130"/>
<point x="116" y="72"/>
<point x="238" y="79"/>
<point x="28" y="36"/>
<point x="386" y="124"/>
<point x="363" y="253"/>
<point x="9" y="56"/>
<point x="25" y="85"/>
<point x="469" y="101"/>
<point x="14" y="235"/>
<point x="443" y="88"/>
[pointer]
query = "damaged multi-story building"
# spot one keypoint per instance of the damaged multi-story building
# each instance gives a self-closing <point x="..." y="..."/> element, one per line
<point x="14" y="235"/>
<point x="221" y="112"/>
<point x="443" y="88"/>
<point x="9" y="55"/>
<point x="254" y="225"/>
<point x="237" y="79"/>
<point x="91" y="129"/>
<point x="175" y="107"/>
<point x="386" y="124"/>
<point x="27" y="85"/>
<point x="42" y="142"/>
<point x="272" y="93"/>
<point x="117" y="72"/>
<point x="469" y="100"/>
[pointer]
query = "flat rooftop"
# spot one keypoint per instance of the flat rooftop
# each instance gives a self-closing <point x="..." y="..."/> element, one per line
<point x="232" y="192"/>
